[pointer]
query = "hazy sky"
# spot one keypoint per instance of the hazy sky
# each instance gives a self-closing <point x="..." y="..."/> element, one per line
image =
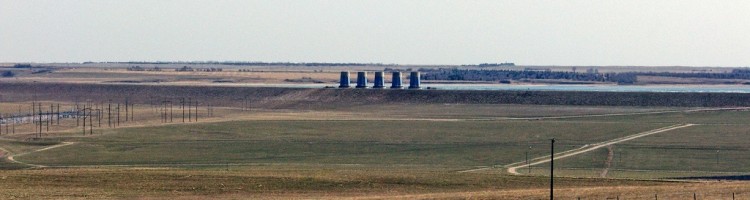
<point x="529" y="32"/>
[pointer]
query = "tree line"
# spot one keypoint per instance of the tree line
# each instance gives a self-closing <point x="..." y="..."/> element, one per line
<point x="620" y="78"/>
<point x="240" y="63"/>
<point x="506" y="75"/>
<point x="743" y="73"/>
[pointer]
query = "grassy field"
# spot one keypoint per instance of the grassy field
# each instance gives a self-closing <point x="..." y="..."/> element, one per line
<point x="713" y="148"/>
<point x="403" y="151"/>
<point x="450" y="143"/>
<point x="698" y="151"/>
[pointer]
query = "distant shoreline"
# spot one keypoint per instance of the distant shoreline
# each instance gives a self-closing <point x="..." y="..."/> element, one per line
<point x="284" y="97"/>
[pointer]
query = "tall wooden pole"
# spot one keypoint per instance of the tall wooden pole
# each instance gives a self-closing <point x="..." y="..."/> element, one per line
<point x="91" y="124"/>
<point x="84" y="120"/>
<point x="163" y="111"/>
<point x="49" y="117"/>
<point x="78" y="114"/>
<point x="40" y="120"/>
<point x="99" y="116"/>
<point x="182" y="107"/>
<point x="552" y="170"/>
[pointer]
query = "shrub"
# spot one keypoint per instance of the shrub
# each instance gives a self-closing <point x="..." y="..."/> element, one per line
<point x="8" y="74"/>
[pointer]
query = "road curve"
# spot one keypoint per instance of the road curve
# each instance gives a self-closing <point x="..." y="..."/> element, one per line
<point x="12" y="159"/>
<point x="590" y="147"/>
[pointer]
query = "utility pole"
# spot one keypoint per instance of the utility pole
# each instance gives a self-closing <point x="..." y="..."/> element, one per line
<point x="99" y="116"/>
<point x="91" y="123"/>
<point x="109" y="114"/>
<point x="49" y="117"/>
<point x="91" y="127"/>
<point x="211" y="110"/>
<point x="84" y="120"/>
<point x="527" y="159"/>
<point x="182" y="107"/>
<point x="127" y="111"/>
<point x="78" y="114"/>
<point x="40" y="120"/>
<point x="163" y="108"/>
<point x="190" y="113"/>
<point x="33" y="113"/>
<point x="118" y="114"/>
<point x="552" y="170"/>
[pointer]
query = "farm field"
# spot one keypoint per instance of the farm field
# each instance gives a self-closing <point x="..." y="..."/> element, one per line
<point x="285" y="147"/>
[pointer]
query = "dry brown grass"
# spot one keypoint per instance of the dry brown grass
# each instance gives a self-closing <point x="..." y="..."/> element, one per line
<point x="718" y="190"/>
<point x="332" y="182"/>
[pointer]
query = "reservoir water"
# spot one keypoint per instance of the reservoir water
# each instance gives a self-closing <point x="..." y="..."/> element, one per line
<point x="594" y="88"/>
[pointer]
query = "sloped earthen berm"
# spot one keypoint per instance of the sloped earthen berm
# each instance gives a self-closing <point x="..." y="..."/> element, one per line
<point x="273" y="97"/>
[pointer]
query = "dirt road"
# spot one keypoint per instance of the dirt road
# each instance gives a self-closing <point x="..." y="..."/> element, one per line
<point x="591" y="147"/>
<point x="12" y="157"/>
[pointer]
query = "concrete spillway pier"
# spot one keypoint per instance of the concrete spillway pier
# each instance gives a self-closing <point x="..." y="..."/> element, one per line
<point x="414" y="80"/>
<point x="344" y="82"/>
<point x="396" y="81"/>
<point x="379" y="82"/>
<point x="361" y="79"/>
